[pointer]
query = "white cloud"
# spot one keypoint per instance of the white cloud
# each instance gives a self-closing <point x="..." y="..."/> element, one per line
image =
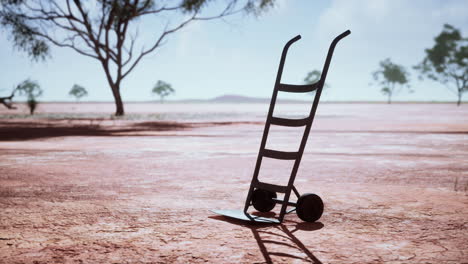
<point x="399" y="29"/>
<point x="397" y="20"/>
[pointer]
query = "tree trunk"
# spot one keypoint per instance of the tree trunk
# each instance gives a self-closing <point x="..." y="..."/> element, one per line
<point x="119" y="108"/>
<point x="390" y="93"/>
<point x="459" y="98"/>
<point x="115" y="87"/>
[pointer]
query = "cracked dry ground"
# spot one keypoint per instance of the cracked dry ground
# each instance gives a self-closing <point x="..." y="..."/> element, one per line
<point x="394" y="192"/>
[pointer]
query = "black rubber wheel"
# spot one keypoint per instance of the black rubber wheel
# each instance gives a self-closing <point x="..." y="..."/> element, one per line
<point x="262" y="200"/>
<point x="309" y="207"/>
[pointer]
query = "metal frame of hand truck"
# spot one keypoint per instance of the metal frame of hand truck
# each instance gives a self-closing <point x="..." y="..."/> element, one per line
<point x="283" y="155"/>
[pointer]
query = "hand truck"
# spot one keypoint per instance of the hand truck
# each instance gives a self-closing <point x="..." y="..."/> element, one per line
<point x="262" y="196"/>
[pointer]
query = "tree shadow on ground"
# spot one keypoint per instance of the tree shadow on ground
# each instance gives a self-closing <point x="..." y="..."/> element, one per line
<point x="50" y="128"/>
<point x="284" y="244"/>
<point x="13" y="131"/>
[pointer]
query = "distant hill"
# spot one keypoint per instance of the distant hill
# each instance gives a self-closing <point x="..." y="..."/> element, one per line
<point x="233" y="98"/>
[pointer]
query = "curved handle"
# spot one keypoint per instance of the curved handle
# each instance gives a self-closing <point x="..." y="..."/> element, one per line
<point x="343" y="35"/>
<point x="330" y="54"/>
<point x="291" y="41"/>
<point x="283" y="57"/>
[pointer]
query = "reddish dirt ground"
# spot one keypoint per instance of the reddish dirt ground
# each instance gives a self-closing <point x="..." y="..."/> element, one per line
<point x="394" y="179"/>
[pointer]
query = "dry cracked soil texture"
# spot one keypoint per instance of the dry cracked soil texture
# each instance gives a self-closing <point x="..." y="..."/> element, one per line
<point x="393" y="178"/>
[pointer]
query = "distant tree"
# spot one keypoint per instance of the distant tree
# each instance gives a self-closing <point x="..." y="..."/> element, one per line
<point x="447" y="61"/>
<point x="313" y="77"/>
<point x="162" y="89"/>
<point x="108" y="30"/>
<point x="32" y="91"/>
<point x="78" y="91"/>
<point x="392" y="77"/>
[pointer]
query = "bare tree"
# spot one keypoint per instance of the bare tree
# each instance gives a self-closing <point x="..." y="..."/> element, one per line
<point x="107" y="30"/>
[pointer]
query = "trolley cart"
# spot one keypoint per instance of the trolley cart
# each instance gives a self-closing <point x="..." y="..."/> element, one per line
<point x="263" y="196"/>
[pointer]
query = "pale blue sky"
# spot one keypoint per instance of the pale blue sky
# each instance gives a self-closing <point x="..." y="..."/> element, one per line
<point x="241" y="55"/>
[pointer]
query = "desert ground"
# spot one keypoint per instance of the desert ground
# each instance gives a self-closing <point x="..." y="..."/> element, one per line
<point x="78" y="186"/>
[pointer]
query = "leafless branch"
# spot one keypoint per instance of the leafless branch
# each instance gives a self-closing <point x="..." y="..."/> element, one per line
<point x="157" y="43"/>
<point x="7" y="101"/>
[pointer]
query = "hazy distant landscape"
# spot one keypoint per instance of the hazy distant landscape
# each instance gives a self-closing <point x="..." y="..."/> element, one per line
<point x="172" y="108"/>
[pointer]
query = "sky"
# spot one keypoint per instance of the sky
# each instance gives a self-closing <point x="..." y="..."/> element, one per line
<point x="240" y="54"/>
